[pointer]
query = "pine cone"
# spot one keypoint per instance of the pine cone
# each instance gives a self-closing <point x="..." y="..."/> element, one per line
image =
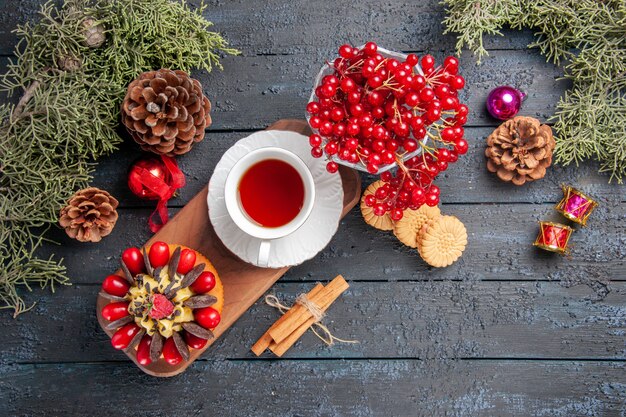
<point x="520" y="150"/>
<point x="89" y="215"/>
<point x="166" y="112"/>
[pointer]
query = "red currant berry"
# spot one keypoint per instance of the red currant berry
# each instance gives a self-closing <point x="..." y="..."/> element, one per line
<point x="432" y="200"/>
<point x="447" y="134"/>
<point x="315" y="122"/>
<point x="315" y="140"/>
<point x="339" y="130"/>
<point x="331" y="148"/>
<point x="460" y="120"/>
<point x="368" y="71"/>
<point x="461" y="146"/>
<point x="450" y="103"/>
<point x="345" y="51"/>
<point x="401" y="129"/>
<point x="396" y="214"/>
<point x="381" y="193"/>
<point x="451" y="64"/>
<point x="370" y="200"/>
<point x="412" y="60"/>
<point x="370" y="49"/>
<point x="352" y="143"/>
<point x="375" y="81"/>
<point x="317" y="152"/>
<point x="443" y="154"/>
<point x="417" y="123"/>
<point x="331" y="79"/>
<point x="326" y="103"/>
<point x="365" y="120"/>
<point x="443" y="91"/>
<point x="428" y="62"/>
<point x="375" y="159"/>
<point x="418" y="196"/>
<point x="392" y="145"/>
<point x="354" y="97"/>
<point x="419" y="82"/>
<point x="328" y="90"/>
<point x="433" y="113"/>
<point x="337" y="114"/>
<point x="412" y="99"/>
<point x="427" y="94"/>
<point x="392" y="64"/>
<point x="375" y="98"/>
<point x="380" y="209"/>
<point x="379" y="133"/>
<point x="313" y="107"/>
<point x="378" y="112"/>
<point x="356" y="109"/>
<point x="348" y="85"/>
<point x="419" y="133"/>
<point x="326" y="128"/>
<point x="409" y="145"/>
<point x="332" y="167"/>
<point x="372" y="168"/>
<point x="457" y="82"/>
<point x="388" y="157"/>
<point x="353" y="129"/>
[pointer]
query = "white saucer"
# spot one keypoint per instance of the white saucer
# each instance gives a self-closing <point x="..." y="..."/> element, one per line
<point x="311" y="237"/>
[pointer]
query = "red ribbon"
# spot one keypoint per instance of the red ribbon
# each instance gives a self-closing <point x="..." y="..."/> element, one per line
<point x="174" y="180"/>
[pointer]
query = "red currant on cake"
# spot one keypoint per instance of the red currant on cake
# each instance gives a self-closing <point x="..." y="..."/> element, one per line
<point x="166" y="301"/>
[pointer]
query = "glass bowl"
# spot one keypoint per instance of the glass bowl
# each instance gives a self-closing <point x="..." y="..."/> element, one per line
<point x="327" y="69"/>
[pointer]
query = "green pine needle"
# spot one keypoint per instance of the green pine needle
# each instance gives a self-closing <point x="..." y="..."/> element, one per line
<point x="590" y="37"/>
<point x="68" y="114"/>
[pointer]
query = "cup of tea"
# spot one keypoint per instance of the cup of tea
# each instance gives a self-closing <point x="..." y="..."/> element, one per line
<point x="269" y="194"/>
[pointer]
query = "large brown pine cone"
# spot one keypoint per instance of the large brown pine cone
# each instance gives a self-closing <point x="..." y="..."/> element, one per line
<point x="166" y="112"/>
<point x="89" y="215"/>
<point x="520" y="150"/>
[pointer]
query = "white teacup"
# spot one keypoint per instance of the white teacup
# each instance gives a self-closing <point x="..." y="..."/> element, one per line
<point x="241" y="218"/>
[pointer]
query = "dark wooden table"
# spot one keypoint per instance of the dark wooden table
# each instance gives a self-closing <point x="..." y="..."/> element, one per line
<point x="507" y="330"/>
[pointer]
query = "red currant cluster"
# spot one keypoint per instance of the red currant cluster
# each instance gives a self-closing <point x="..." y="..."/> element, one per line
<point x="375" y="111"/>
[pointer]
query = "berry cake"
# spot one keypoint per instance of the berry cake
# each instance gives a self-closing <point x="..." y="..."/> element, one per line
<point x="167" y="302"/>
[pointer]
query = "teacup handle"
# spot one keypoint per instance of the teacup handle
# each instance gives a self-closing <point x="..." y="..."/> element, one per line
<point x="264" y="254"/>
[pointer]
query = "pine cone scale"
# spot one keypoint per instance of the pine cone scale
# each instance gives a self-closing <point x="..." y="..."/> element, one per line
<point x="520" y="150"/>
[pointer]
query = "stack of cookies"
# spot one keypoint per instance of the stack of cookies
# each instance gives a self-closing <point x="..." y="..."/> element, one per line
<point x="439" y="239"/>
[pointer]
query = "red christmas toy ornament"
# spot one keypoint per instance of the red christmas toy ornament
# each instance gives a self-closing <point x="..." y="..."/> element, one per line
<point x="553" y="237"/>
<point x="575" y="205"/>
<point x="154" y="178"/>
<point x="504" y="102"/>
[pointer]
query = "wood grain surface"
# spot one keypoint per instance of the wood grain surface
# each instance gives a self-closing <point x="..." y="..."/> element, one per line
<point x="507" y="331"/>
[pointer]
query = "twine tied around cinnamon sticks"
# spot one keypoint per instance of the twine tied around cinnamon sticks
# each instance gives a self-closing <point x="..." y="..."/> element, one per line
<point x="306" y="312"/>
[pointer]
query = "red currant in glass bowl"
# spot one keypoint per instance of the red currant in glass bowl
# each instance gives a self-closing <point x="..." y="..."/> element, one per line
<point x="392" y="114"/>
<point x="364" y="118"/>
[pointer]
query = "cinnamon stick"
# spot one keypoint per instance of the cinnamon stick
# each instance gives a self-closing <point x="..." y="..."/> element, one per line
<point x="283" y="328"/>
<point x="279" y="349"/>
<point x="264" y="341"/>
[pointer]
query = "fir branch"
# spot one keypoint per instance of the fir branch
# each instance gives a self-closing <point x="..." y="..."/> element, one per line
<point x="69" y="111"/>
<point x="589" y="36"/>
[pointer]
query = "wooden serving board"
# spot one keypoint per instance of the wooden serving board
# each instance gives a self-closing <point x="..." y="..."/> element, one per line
<point x="243" y="283"/>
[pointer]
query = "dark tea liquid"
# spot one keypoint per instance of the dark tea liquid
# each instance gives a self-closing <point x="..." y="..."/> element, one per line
<point x="271" y="193"/>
